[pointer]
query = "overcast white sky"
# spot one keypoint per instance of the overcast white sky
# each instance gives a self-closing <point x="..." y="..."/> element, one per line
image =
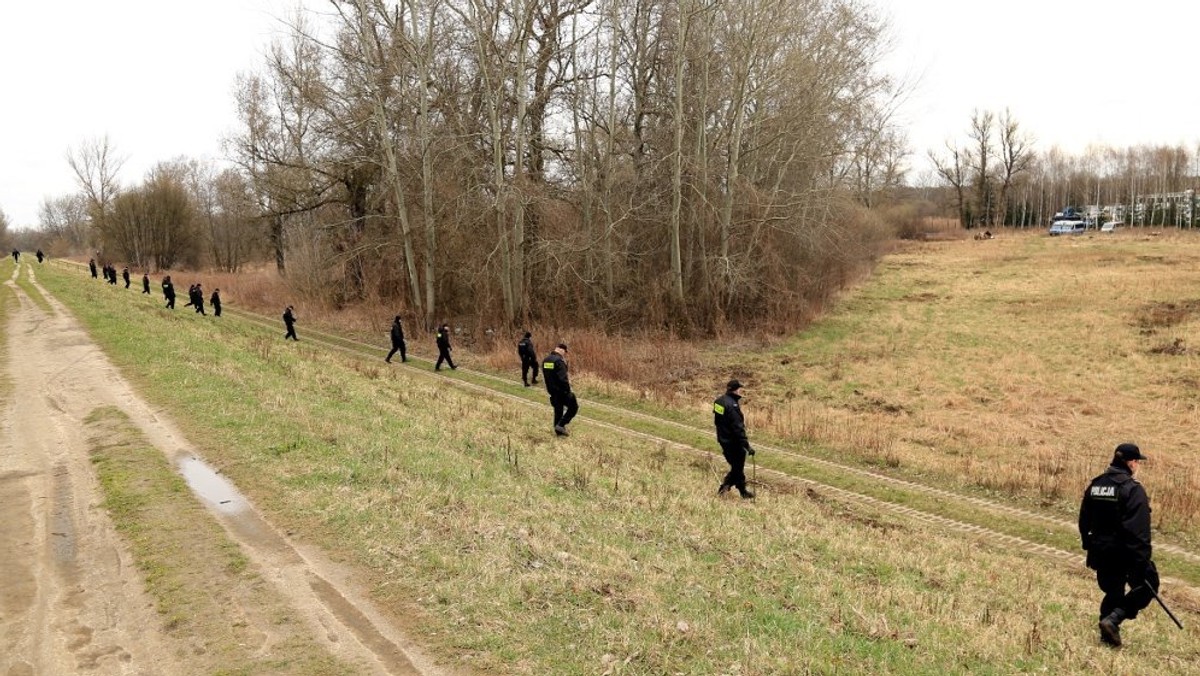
<point x="1072" y="72"/>
<point x="157" y="76"/>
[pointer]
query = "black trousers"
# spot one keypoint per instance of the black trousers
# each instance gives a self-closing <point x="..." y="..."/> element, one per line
<point x="398" y="347"/>
<point x="444" y="356"/>
<point x="291" y="332"/>
<point x="735" y="455"/>
<point x="528" y="365"/>
<point x="1112" y="581"/>
<point x="216" y="309"/>
<point x="565" y="408"/>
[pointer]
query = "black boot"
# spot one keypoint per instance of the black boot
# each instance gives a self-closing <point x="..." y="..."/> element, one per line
<point x="746" y="494"/>
<point x="1110" y="628"/>
<point x="723" y="489"/>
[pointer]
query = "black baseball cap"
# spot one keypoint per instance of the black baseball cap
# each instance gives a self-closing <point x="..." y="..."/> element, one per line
<point x="1130" y="451"/>
<point x="733" y="385"/>
<point x="563" y="347"/>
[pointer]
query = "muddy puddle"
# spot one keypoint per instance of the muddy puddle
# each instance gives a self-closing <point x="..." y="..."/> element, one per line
<point x="210" y="486"/>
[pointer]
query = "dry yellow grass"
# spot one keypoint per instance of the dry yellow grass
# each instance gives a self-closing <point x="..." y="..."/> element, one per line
<point x="1014" y="364"/>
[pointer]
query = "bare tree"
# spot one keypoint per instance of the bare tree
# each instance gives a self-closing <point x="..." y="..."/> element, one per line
<point x="65" y="218"/>
<point x="953" y="169"/>
<point x="980" y="159"/>
<point x="96" y="165"/>
<point x="1015" y="158"/>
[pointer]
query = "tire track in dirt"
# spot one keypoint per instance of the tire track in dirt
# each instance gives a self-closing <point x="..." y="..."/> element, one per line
<point x="68" y="604"/>
<point x="74" y="379"/>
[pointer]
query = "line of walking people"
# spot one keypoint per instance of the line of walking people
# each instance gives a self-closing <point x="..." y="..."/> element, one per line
<point x="553" y="370"/>
<point x="195" y="291"/>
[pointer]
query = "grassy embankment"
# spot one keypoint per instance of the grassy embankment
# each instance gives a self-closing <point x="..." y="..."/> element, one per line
<point x="519" y="553"/>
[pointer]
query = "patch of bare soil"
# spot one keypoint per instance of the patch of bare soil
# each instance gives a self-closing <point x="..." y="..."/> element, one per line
<point x="71" y="598"/>
<point x="1175" y="348"/>
<point x="1160" y="315"/>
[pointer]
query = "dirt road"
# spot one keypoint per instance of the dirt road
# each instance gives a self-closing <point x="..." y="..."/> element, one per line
<point x="71" y="600"/>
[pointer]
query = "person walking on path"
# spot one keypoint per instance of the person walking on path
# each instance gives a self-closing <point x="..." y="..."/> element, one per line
<point x="731" y="435"/>
<point x="168" y="292"/>
<point x="145" y="283"/>
<point x="92" y="267"/>
<point x="397" y="334"/>
<point x="444" y="349"/>
<point x="1114" y="528"/>
<point x="198" y="299"/>
<point x="558" y="386"/>
<point x="216" y="302"/>
<point x="16" y="256"/>
<point x="529" y="362"/>
<point x="40" y="256"/>
<point x="289" y="320"/>
<point x="125" y="276"/>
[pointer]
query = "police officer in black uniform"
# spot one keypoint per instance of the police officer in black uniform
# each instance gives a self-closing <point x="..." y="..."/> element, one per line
<point x="529" y="362"/>
<point x="125" y="276"/>
<point x="40" y="256"/>
<point x="198" y="299"/>
<point x="731" y="435"/>
<point x="216" y="302"/>
<point x="1114" y="526"/>
<point x="289" y="320"/>
<point x="145" y="283"/>
<point x="558" y="385"/>
<point x="168" y="292"/>
<point x="443" y="346"/>
<point x="397" y="341"/>
<point x="92" y="267"/>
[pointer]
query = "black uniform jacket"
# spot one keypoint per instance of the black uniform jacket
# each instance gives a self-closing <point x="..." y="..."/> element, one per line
<point x="731" y="425"/>
<point x="1114" y="521"/>
<point x="443" y="339"/>
<point x="397" y="334"/>
<point x="527" y="351"/>
<point x="554" y="374"/>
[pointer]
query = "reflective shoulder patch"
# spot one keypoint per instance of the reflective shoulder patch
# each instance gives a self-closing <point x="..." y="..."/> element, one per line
<point x="718" y="409"/>
<point x="548" y="365"/>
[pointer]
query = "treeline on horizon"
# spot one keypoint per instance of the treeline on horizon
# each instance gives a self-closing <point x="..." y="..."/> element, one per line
<point x="626" y="164"/>
<point x="993" y="176"/>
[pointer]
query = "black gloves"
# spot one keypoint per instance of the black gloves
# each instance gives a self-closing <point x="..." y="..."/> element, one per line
<point x="749" y="450"/>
